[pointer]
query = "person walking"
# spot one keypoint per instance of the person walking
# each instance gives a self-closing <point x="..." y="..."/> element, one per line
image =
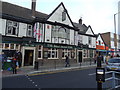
<point x="95" y="59"/>
<point x="67" y="61"/>
<point x="18" y="56"/>
<point x="14" y="66"/>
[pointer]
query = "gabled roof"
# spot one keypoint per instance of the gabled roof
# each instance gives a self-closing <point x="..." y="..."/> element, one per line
<point x="101" y="38"/>
<point x="82" y="28"/>
<point x="12" y="11"/>
<point x="91" y="29"/>
<point x="65" y="11"/>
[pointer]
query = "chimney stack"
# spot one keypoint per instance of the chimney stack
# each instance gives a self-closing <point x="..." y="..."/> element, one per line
<point x="80" y="20"/>
<point x="33" y="7"/>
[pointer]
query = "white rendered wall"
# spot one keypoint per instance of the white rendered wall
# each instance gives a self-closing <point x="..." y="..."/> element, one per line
<point x="3" y="26"/>
<point x="22" y="29"/>
<point x="57" y="16"/>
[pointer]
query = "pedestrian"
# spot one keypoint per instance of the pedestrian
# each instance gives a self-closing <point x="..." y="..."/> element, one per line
<point x="95" y="58"/>
<point x="14" y="65"/>
<point x="18" y="56"/>
<point x="67" y="61"/>
<point x="102" y="58"/>
<point x="107" y="58"/>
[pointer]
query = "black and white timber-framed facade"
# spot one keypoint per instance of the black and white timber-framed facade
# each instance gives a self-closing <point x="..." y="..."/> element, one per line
<point x="44" y="38"/>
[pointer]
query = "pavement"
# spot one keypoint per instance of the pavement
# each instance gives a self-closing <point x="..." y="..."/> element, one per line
<point x="30" y="69"/>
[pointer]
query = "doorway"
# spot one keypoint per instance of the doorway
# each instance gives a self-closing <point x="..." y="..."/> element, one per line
<point x="79" y="57"/>
<point x="28" y="58"/>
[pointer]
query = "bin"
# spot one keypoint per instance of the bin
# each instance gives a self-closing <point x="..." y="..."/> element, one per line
<point x="36" y="65"/>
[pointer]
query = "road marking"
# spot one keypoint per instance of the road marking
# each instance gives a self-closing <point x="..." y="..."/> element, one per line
<point x="36" y="85"/>
<point x="52" y="72"/>
<point x="91" y="74"/>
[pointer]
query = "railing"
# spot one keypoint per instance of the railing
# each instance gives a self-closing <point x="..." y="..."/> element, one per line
<point x="115" y="81"/>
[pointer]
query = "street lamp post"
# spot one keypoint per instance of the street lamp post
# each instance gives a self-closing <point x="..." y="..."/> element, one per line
<point x="115" y="41"/>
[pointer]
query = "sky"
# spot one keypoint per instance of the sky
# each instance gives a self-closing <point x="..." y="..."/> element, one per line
<point x="99" y="14"/>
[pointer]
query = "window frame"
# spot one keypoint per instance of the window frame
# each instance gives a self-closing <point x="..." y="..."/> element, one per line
<point x="40" y="50"/>
<point x="13" y="25"/>
<point x="31" y="30"/>
<point x="66" y="52"/>
<point x="50" y="51"/>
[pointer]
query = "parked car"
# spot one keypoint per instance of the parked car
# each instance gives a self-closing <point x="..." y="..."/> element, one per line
<point x="113" y="64"/>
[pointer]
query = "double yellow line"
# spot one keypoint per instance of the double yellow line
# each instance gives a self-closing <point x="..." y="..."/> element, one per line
<point x="58" y="71"/>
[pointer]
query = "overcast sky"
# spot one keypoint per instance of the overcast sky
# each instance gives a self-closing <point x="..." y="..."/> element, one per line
<point x="97" y="13"/>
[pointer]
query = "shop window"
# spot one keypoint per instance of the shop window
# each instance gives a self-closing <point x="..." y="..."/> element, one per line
<point x="52" y="53"/>
<point x="39" y="51"/>
<point x="17" y="46"/>
<point x="73" y="54"/>
<point x="11" y="46"/>
<point x="66" y="52"/>
<point x="12" y="27"/>
<point x="6" y="46"/>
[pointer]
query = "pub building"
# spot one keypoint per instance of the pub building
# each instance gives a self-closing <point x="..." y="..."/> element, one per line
<point x="44" y="38"/>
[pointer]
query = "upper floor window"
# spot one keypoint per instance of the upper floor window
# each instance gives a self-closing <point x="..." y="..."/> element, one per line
<point x="63" y="15"/>
<point x="99" y="42"/>
<point x="89" y="40"/>
<point x="112" y="39"/>
<point x="12" y="27"/>
<point x="29" y="30"/>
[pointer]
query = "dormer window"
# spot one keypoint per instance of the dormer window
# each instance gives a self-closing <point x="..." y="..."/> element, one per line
<point x="63" y="15"/>
<point x="12" y="28"/>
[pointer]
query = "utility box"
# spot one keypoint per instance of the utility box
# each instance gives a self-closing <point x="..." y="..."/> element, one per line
<point x="100" y="74"/>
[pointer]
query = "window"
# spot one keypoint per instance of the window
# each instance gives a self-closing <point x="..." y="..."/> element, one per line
<point x="39" y="51"/>
<point x="99" y="42"/>
<point x="84" y="53"/>
<point x="73" y="54"/>
<point x="12" y="27"/>
<point x="89" y="40"/>
<point x="17" y="46"/>
<point x="59" y="32"/>
<point x="11" y="46"/>
<point x="66" y="52"/>
<point x="29" y="31"/>
<point x="81" y="38"/>
<point x="63" y="15"/>
<point x="6" y="46"/>
<point x="52" y="53"/>
<point x="112" y="39"/>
